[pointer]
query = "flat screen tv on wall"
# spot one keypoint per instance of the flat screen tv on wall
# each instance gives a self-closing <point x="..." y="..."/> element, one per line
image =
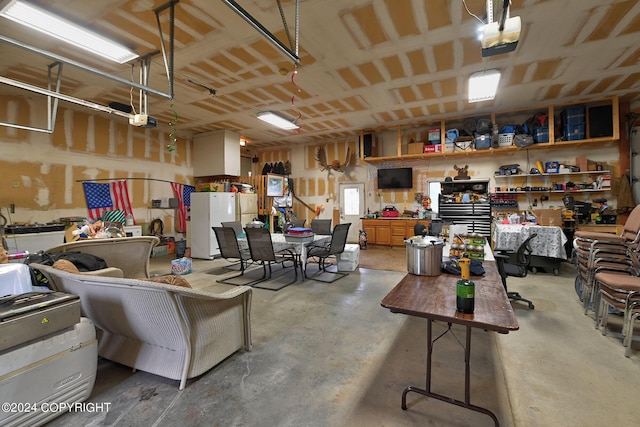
<point x="395" y="178"/>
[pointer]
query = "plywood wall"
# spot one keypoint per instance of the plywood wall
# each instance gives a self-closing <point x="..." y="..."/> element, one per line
<point x="41" y="172"/>
<point x="319" y="188"/>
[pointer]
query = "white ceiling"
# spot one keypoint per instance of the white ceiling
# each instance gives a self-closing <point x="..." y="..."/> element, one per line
<point x="365" y="64"/>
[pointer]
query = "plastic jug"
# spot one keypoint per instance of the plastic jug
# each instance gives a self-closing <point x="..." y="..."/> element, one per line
<point x="452" y="135"/>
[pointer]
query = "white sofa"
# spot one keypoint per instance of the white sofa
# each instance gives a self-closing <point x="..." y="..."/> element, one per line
<point x="129" y="254"/>
<point x="167" y="330"/>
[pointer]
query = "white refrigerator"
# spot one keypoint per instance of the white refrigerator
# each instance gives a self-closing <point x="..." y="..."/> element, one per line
<point x="209" y="209"/>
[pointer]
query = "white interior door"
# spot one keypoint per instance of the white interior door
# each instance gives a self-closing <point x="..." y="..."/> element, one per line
<point x="352" y="206"/>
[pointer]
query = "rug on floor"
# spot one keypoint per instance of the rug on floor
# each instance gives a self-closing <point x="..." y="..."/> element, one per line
<point x="383" y="258"/>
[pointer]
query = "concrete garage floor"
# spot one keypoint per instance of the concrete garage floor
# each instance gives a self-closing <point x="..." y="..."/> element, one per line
<point x="330" y="355"/>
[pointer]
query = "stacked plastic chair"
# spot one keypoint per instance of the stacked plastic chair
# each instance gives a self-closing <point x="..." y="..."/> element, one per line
<point x="599" y="252"/>
<point x="622" y="292"/>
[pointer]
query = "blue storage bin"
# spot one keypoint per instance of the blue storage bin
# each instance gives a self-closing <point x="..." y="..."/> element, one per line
<point x="483" y="141"/>
<point x="574" y="132"/>
<point x="574" y="110"/>
<point x="541" y="134"/>
<point x="572" y="116"/>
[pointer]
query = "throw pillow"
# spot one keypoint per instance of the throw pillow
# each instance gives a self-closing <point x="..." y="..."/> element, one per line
<point x="4" y="258"/>
<point x="169" y="279"/>
<point x="66" y="265"/>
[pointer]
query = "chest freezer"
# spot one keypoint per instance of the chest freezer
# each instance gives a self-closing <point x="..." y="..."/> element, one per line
<point x="41" y="379"/>
<point x="31" y="315"/>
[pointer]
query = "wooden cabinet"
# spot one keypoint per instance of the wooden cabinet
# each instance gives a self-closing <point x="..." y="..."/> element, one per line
<point x="378" y="231"/>
<point x="390" y="232"/>
<point x="216" y="153"/>
<point x="383" y="235"/>
<point x="369" y="227"/>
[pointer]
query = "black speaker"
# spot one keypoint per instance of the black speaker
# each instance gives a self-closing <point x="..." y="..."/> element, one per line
<point x="600" y="121"/>
<point x="369" y="145"/>
<point x="255" y="159"/>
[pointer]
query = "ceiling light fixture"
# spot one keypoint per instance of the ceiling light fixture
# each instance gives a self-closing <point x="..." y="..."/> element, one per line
<point x="243" y="142"/>
<point x="277" y="119"/>
<point x="62" y="29"/>
<point x="483" y="85"/>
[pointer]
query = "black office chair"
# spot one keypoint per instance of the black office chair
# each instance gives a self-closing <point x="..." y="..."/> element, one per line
<point x="515" y="264"/>
<point x="333" y="249"/>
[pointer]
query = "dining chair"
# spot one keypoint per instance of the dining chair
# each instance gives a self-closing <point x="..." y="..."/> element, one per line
<point x="321" y="226"/>
<point x="298" y="222"/>
<point x="322" y="252"/>
<point x="262" y="251"/>
<point x="515" y="264"/>
<point x="230" y="250"/>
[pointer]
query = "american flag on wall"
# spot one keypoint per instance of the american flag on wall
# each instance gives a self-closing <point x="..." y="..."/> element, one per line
<point x="183" y="193"/>
<point x="106" y="197"/>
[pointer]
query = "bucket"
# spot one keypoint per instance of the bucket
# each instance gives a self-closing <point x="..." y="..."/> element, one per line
<point x="424" y="255"/>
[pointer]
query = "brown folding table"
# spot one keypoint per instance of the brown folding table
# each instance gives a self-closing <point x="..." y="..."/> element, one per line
<point x="434" y="298"/>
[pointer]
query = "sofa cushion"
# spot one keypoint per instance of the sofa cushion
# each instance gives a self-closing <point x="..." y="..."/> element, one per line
<point x="66" y="265"/>
<point x="169" y="279"/>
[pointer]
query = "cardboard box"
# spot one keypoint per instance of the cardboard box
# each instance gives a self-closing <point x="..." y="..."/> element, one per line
<point x="210" y="186"/>
<point x="415" y="147"/>
<point x="548" y="217"/>
<point x="588" y="165"/>
<point x="433" y="148"/>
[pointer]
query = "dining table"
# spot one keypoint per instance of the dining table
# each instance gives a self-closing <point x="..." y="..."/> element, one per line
<point x="299" y="245"/>
<point x="548" y="248"/>
<point x="550" y="241"/>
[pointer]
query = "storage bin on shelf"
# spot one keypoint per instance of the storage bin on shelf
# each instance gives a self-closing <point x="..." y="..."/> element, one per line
<point x="505" y="139"/>
<point x="434" y="136"/>
<point x="541" y="134"/>
<point x="573" y="122"/>
<point x="482" y="141"/>
<point x="463" y="143"/>
<point x="574" y="132"/>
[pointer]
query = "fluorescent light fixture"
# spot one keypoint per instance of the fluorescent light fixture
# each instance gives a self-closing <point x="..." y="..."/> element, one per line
<point x="277" y="119"/>
<point x="60" y="28"/>
<point x="483" y="85"/>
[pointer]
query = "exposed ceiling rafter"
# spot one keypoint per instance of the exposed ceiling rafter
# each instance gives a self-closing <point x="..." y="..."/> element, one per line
<point x="144" y="64"/>
<point x="266" y="33"/>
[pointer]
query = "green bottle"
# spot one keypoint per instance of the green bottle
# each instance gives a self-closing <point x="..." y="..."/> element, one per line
<point x="465" y="296"/>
